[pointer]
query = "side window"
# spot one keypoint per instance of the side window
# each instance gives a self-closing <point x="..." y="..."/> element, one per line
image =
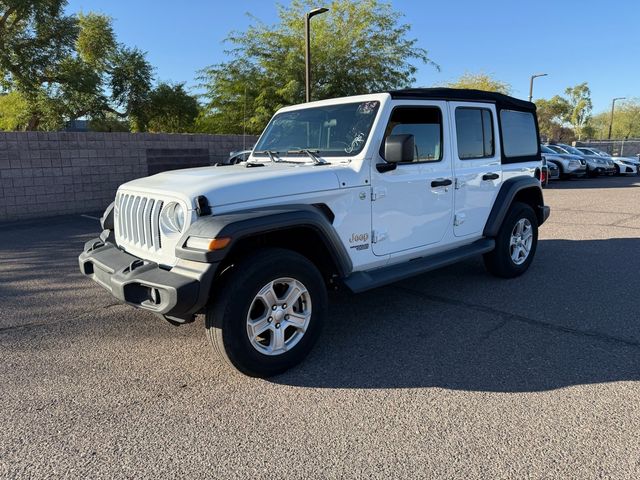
<point x="425" y="124"/>
<point x="474" y="131"/>
<point x="519" y="135"/>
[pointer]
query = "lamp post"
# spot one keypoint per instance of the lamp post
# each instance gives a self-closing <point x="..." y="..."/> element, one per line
<point x="613" y="106"/>
<point x="307" y="51"/>
<point x="531" y="83"/>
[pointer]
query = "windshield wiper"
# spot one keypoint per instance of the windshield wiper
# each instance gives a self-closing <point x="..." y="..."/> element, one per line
<point x="313" y="155"/>
<point x="272" y="154"/>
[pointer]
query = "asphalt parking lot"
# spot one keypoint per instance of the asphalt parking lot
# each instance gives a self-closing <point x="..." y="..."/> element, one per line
<point x="454" y="374"/>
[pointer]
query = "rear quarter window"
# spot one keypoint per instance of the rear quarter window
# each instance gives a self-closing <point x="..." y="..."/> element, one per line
<point x="519" y="136"/>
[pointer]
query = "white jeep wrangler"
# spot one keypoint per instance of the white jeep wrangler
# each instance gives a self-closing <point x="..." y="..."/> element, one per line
<point x="355" y="192"/>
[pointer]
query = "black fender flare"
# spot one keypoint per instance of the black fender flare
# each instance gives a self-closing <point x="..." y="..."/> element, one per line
<point x="508" y="192"/>
<point x="252" y="222"/>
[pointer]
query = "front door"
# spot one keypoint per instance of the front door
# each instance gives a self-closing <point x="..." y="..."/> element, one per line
<point x="412" y="204"/>
<point x="477" y="166"/>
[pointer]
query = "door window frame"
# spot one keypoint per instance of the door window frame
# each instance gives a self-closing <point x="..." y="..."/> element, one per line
<point x="442" y="123"/>
<point x="493" y="135"/>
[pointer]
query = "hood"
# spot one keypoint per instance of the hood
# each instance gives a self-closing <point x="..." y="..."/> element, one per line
<point x="569" y="156"/>
<point x="236" y="183"/>
<point x="627" y="159"/>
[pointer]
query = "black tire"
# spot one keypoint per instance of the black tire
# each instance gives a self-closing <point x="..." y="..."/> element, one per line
<point x="499" y="262"/>
<point x="226" y="317"/>
<point x="617" y="172"/>
<point x="563" y="176"/>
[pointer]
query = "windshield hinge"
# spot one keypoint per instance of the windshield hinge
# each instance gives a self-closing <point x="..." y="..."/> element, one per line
<point x="377" y="237"/>
<point x="378" y="193"/>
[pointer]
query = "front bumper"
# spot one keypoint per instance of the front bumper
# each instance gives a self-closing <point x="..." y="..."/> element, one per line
<point x="628" y="169"/>
<point x="602" y="170"/>
<point x="545" y="211"/>
<point x="176" y="294"/>
<point x="577" y="171"/>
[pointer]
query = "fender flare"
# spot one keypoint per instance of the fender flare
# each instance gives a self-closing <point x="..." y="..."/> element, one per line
<point x="106" y="221"/>
<point x="252" y="222"/>
<point x="508" y="191"/>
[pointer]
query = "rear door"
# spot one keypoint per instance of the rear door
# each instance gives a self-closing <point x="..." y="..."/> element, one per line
<point x="476" y="163"/>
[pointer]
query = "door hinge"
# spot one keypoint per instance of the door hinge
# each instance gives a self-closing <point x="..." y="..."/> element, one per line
<point x="459" y="184"/>
<point x="458" y="219"/>
<point x="377" y="237"/>
<point x="378" y="193"/>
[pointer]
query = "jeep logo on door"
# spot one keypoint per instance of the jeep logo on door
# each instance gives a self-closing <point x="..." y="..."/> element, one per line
<point x="359" y="237"/>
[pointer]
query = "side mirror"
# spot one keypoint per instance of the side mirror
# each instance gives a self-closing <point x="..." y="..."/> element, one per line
<point x="399" y="148"/>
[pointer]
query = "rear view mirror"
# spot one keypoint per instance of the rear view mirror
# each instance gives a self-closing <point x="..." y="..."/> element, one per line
<point x="399" y="148"/>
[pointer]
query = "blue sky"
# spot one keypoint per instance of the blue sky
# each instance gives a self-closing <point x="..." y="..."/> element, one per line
<point x="573" y="41"/>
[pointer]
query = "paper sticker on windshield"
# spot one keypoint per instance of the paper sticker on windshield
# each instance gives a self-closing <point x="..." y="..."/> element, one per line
<point x="367" y="108"/>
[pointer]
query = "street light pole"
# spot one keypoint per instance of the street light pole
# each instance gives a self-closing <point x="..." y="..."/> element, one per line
<point x="307" y="51"/>
<point x="531" y="83"/>
<point x="613" y="106"/>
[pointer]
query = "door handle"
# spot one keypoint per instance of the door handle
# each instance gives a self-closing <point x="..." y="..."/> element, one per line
<point x="490" y="176"/>
<point x="441" y="182"/>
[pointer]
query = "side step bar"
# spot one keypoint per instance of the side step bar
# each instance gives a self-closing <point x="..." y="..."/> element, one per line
<point x="361" y="281"/>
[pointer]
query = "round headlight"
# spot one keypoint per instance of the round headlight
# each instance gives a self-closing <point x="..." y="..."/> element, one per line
<point x="172" y="218"/>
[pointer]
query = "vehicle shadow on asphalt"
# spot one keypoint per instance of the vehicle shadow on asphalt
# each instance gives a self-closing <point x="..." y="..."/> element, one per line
<point x="571" y="320"/>
<point x="598" y="182"/>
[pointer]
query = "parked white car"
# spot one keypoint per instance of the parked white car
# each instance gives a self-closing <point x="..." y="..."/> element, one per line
<point x="352" y="192"/>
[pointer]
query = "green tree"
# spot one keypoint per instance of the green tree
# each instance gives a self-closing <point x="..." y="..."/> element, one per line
<point x="63" y="65"/>
<point x="626" y="121"/>
<point x="580" y="107"/>
<point x="171" y="109"/>
<point x="13" y="112"/>
<point x="357" y="47"/>
<point x="551" y="116"/>
<point x="481" y="81"/>
<point x="130" y="82"/>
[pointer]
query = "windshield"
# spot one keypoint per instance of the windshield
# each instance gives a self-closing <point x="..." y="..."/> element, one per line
<point x="571" y="149"/>
<point x="332" y="130"/>
<point x="557" y="149"/>
<point x="546" y="149"/>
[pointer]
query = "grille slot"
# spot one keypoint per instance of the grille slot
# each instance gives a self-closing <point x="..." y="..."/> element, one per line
<point x="139" y="221"/>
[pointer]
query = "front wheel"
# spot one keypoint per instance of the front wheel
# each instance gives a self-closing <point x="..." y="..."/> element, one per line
<point x="268" y="313"/>
<point x="516" y="243"/>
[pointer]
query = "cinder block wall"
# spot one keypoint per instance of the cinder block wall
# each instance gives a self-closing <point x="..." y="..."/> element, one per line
<point x="43" y="174"/>
<point x="623" y="148"/>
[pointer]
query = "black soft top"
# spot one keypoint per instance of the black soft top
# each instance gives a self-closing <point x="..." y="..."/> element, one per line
<point x="461" y="94"/>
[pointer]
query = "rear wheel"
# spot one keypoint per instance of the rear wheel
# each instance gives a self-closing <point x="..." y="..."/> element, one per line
<point x="269" y="312"/>
<point x="516" y="243"/>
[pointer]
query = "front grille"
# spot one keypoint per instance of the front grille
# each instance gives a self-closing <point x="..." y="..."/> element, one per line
<point x="138" y="220"/>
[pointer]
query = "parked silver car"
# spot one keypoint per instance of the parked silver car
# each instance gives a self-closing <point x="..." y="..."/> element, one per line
<point x="595" y="165"/>
<point x="623" y="165"/>
<point x="568" y="165"/>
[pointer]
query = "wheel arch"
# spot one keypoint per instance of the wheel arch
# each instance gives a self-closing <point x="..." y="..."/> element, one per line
<point x="521" y="189"/>
<point x="305" y="229"/>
